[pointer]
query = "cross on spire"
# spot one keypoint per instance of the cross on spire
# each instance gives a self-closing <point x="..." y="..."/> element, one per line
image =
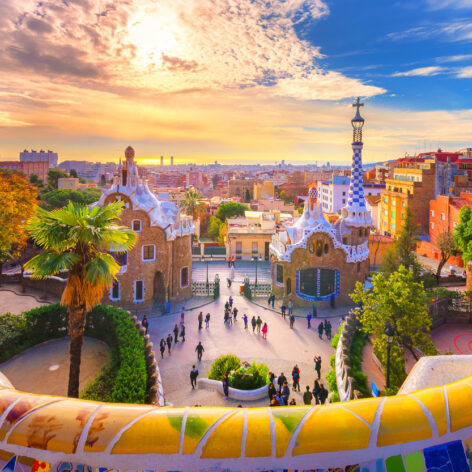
<point x="357" y="104"/>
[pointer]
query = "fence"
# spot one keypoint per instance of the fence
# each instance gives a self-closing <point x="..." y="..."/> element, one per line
<point x="201" y="289"/>
<point x="261" y="290"/>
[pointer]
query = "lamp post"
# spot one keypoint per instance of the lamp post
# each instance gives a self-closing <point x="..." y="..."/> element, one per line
<point x="256" y="259"/>
<point x="389" y="335"/>
<point x="204" y="259"/>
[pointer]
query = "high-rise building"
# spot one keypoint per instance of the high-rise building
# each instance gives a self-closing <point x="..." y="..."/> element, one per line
<point x="162" y="160"/>
<point x="39" y="156"/>
<point x="171" y="160"/>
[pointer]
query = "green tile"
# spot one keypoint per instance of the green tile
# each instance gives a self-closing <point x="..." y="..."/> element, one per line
<point x="414" y="462"/>
<point x="395" y="464"/>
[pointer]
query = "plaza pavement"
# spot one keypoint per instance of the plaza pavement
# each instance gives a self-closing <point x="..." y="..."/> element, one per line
<point x="44" y="368"/>
<point x="283" y="348"/>
<point x="15" y="302"/>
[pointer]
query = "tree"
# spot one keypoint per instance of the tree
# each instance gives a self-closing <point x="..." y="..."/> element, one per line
<point x="73" y="173"/>
<point x="445" y="243"/>
<point x="214" y="227"/>
<point x="230" y="209"/>
<point x="60" y="197"/>
<point x="192" y="204"/>
<point x="403" y="252"/>
<point x="247" y="197"/>
<point x="35" y="180"/>
<point x="77" y="238"/>
<point x="53" y="177"/>
<point x="222" y="234"/>
<point x="401" y="302"/>
<point x="18" y="203"/>
<point x="463" y="233"/>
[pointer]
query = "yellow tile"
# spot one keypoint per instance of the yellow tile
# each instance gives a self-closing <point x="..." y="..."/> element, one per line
<point x="433" y="400"/>
<point x="330" y="429"/>
<point x="286" y="420"/>
<point x="21" y="408"/>
<point x="366" y="408"/>
<point x="459" y="399"/>
<point x="258" y="440"/>
<point x="199" y="421"/>
<point x="402" y="421"/>
<point x="225" y="441"/>
<point x="107" y="422"/>
<point x="157" y="432"/>
<point x="55" y="427"/>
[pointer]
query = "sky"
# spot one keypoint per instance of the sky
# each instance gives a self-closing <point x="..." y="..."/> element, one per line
<point x="237" y="81"/>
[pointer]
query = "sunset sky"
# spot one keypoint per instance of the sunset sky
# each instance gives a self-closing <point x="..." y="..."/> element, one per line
<point x="234" y="80"/>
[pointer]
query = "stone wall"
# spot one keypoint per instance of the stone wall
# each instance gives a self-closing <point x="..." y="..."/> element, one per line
<point x="302" y="258"/>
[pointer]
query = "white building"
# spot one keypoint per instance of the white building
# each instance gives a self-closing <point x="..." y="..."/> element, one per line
<point x="39" y="156"/>
<point x="334" y="193"/>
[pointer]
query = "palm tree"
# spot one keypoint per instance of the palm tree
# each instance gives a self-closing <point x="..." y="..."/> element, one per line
<point x="76" y="238"/>
<point x="192" y="204"/>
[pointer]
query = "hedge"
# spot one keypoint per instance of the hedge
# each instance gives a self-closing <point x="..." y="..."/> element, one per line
<point x="123" y="380"/>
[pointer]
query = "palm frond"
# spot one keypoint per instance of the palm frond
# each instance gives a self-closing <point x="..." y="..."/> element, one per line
<point x="101" y="270"/>
<point x="50" y="263"/>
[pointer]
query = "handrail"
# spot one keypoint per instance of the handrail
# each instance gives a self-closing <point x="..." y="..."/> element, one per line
<point x="141" y="437"/>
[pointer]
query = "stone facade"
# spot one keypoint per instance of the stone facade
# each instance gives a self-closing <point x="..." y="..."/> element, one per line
<point x="159" y="267"/>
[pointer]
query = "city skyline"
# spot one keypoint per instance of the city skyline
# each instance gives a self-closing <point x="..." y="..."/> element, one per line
<point x="236" y="82"/>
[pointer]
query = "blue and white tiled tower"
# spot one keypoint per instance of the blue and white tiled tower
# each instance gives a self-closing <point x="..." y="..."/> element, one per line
<point x="356" y="213"/>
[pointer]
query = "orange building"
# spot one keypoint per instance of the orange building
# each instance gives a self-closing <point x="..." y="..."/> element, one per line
<point x="443" y="217"/>
<point x="39" y="168"/>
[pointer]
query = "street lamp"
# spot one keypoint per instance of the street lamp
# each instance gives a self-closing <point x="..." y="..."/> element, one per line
<point x="389" y="335"/>
<point x="256" y="259"/>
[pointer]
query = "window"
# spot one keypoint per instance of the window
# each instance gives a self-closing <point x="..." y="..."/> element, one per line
<point x="393" y="225"/>
<point x="138" y="290"/>
<point x="136" y="225"/>
<point x="344" y="194"/>
<point x="149" y="253"/>
<point x="385" y="200"/>
<point x="394" y="202"/>
<point x="184" y="277"/>
<point x="289" y="286"/>
<point x="432" y="225"/>
<point x="326" y="248"/>
<point x="121" y="258"/>
<point x="279" y="274"/>
<point x="312" y="248"/>
<point x="319" y="248"/>
<point x="360" y="233"/>
<point x="432" y="213"/>
<point x="403" y="204"/>
<point x="358" y="267"/>
<point x="344" y="240"/>
<point x="443" y="216"/>
<point x="317" y="283"/>
<point x="239" y="247"/>
<point x="115" y="291"/>
<point x="255" y="247"/>
<point x="393" y="214"/>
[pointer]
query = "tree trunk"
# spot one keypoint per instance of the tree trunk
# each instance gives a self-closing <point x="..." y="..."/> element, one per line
<point x="76" y="327"/>
<point x="441" y="264"/>
<point x="1" y="273"/>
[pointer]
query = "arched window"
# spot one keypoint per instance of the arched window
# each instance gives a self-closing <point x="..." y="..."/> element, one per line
<point x="289" y="286"/>
<point x="319" y="248"/>
<point x="360" y="232"/>
<point x="326" y="248"/>
<point x="184" y="277"/>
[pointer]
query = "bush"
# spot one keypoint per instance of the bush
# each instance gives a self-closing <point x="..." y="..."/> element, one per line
<point x="124" y="380"/>
<point x="223" y="365"/>
<point x="355" y="358"/>
<point x="334" y="398"/>
<point x="442" y="292"/>
<point x="250" y="378"/>
<point x="331" y="380"/>
<point x="335" y="340"/>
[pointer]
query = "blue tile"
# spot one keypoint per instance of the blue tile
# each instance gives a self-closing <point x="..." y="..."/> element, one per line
<point x="435" y="457"/>
<point x="457" y="456"/>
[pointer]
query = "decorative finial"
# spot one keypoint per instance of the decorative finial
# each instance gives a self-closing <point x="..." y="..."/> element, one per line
<point x="357" y="122"/>
<point x="129" y="153"/>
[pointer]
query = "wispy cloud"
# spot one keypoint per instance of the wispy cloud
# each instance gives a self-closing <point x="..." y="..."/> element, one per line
<point x="457" y="30"/>
<point x="455" y="58"/>
<point x="464" y="73"/>
<point x="420" y="72"/>
<point x="442" y="4"/>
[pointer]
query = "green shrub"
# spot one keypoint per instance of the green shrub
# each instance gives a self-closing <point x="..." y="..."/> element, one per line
<point x="441" y="292"/>
<point x="250" y="378"/>
<point x="124" y="380"/>
<point x="223" y="365"/>
<point x="334" y="398"/>
<point x="355" y="358"/>
<point x="331" y="380"/>
<point x="335" y="340"/>
<point x="332" y="361"/>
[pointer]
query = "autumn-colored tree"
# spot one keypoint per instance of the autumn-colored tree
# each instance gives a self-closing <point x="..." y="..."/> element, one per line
<point x="18" y="203"/>
<point x="78" y="239"/>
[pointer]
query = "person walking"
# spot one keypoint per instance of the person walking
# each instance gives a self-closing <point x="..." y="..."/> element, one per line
<point x="253" y="323"/>
<point x="316" y="392"/>
<point x="259" y="324"/>
<point x="182" y="315"/>
<point x="235" y="313"/>
<point x="176" y="332"/>
<point x="162" y="347"/>
<point x="226" y="386"/>
<point x="290" y="307"/>
<point x="207" y="320"/>
<point x="193" y="377"/>
<point x="145" y="324"/>
<point x="227" y="306"/>
<point x="307" y="396"/>
<point x="182" y="333"/>
<point x="308" y="320"/>
<point x="285" y="393"/>
<point x="264" y="331"/>
<point x="318" y="366"/>
<point x="296" y="378"/>
<point x="200" y="320"/>
<point x="323" y="394"/>
<point x="292" y="320"/>
<point x="245" y="320"/>
<point x="199" y="350"/>
<point x="169" y="342"/>
<point x="328" y="328"/>
<point x="320" y="330"/>
<point x="281" y="380"/>
<point x="273" y="300"/>
<point x="230" y="301"/>
<point x="283" y="309"/>
<point x="269" y="300"/>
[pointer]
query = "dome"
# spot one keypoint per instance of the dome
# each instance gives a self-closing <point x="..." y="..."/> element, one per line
<point x="129" y="152"/>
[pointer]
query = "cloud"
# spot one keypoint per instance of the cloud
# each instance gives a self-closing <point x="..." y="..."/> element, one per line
<point x="455" y="58"/>
<point x="420" y="71"/>
<point x="447" y="4"/>
<point x="465" y="73"/>
<point x="453" y="31"/>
